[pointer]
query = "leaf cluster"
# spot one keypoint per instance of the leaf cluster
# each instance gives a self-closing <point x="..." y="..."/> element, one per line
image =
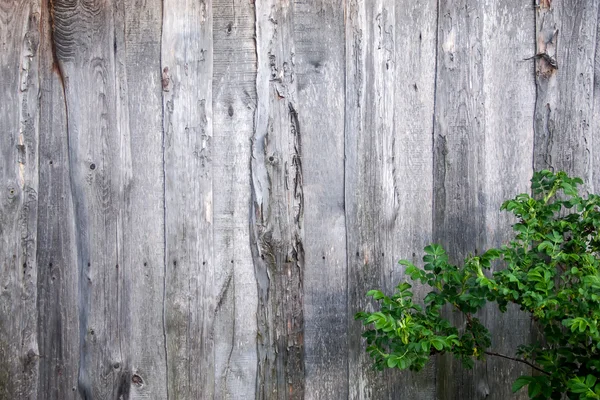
<point x="551" y="270"/>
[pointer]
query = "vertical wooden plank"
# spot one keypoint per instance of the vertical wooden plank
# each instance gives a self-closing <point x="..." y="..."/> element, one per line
<point x="141" y="214"/>
<point x="482" y="156"/>
<point x="19" y="124"/>
<point x="189" y="307"/>
<point x="509" y="95"/>
<point x="390" y="81"/>
<point x="459" y="173"/>
<point x="84" y="44"/>
<point x="58" y="279"/>
<point x="234" y="103"/>
<point x="277" y="215"/>
<point x="566" y="35"/>
<point x="320" y="65"/>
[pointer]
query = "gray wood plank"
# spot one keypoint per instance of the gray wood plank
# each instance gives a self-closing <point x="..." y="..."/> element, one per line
<point x="509" y="95"/>
<point x="480" y="160"/>
<point x="141" y="210"/>
<point x="459" y="129"/>
<point x="566" y="32"/>
<point x="83" y="38"/>
<point x="320" y="64"/>
<point x="56" y="251"/>
<point x="187" y="67"/>
<point x="277" y="214"/>
<point x="390" y="81"/>
<point x="19" y="124"/>
<point x="234" y="103"/>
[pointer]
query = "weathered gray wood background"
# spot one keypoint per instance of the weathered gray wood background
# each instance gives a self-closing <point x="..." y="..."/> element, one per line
<point x="196" y="195"/>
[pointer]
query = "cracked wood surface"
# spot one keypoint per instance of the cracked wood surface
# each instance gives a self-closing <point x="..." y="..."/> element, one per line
<point x="564" y="108"/>
<point x="197" y="195"/>
<point x="276" y="234"/>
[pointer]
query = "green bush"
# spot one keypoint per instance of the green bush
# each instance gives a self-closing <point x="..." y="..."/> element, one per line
<point x="551" y="269"/>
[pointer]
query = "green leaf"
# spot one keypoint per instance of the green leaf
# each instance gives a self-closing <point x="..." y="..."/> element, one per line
<point x="534" y="389"/>
<point x="520" y="382"/>
<point x="392" y="361"/>
<point x="590" y="381"/>
<point x="437" y="343"/>
<point x="376" y="294"/>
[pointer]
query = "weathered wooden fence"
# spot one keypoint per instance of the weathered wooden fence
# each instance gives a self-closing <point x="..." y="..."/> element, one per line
<point x="196" y="195"/>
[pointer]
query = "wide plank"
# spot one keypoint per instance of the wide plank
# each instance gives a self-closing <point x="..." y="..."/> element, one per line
<point x="459" y="162"/>
<point x="564" y="111"/>
<point x="137" y="49"/>
<point x="19" y="142"/>
<point x="189" y="305"/>
<point x="83" y="39"/>
<point x="277" y="213"/>
<point x="319" y="124"/>
<point x="390" y="80"/>
<point x="509" y="95"/>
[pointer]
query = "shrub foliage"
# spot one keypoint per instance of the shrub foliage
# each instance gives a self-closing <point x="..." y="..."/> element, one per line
<point x="551" y="270"/>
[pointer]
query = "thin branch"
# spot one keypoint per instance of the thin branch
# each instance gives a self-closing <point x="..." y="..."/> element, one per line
<point x="491" y="353"/>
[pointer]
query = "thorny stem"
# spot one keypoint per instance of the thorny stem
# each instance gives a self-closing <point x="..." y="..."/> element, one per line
<point x="491" y="353"/>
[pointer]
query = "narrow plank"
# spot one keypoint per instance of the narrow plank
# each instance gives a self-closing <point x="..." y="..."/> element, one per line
<point x="83" y="38"/>
<point x="320" y="63"/>
<point x="390" y="80"/>
<point x="19" y="124"/>
<point x="566" y="33"/>
<point x="141" y="214"/>
<point x="189" y="304"/>
<point x="509" y="94"/>
<point x="459" y="162"/>
<point x="58" y="279"/>
<point x="234" y="103"/>
<point x="277" y="215"/>
<point x="413" y="157"/>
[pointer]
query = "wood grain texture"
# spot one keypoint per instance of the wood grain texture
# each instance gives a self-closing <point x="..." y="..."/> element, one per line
<point x="459" y="162"/>
<point x="187" y="67"/>
<point x="277" y="213"/>
<point x="196" y="195"/>
<point x="480" y="161"/>
<point x="93" y="169"/>
<point x="58" y="279"/>
<point x="234" y="105"/>
<point x="19" y="124"/>
<point x="390" y="84"/>
<point x="566" y="34"/>
<point x="83" y="38"/>
<point x="320" y="66"/>
<point x="509" y="96"/>
<point x="137" y="46"/>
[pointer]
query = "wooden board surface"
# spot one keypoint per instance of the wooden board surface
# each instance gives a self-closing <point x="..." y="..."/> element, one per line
<point x="389" y="107"/>
<point x="198" y="195"/>
<point x="234" y="107"/>
<point x="19" y="175"/>
<point x="190" y="263"/>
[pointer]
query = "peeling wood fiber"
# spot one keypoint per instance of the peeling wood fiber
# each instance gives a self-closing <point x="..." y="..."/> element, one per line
<point x="195" y="196"/>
